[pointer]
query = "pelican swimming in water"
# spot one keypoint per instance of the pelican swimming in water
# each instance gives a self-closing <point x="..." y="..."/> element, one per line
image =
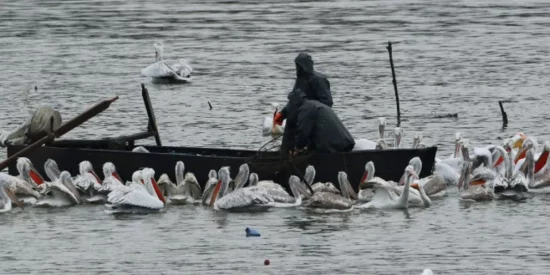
<point x="368" y="181"/>
<point x="240" y="198"/>
<point x="472" y="190"/>
<point x="111" y="180"/>
<point x="186" y="189"/>
<point x="209" y="187"/>
<point x="325" y="198"/>
<point x="88" y="183"/>
<point x="168" y="70"/>
<point x="6" y="196"/>
<point x="22" y="185"/>
<point x="137" y="197"/>
<point x="309" y="177"/>
<point x="386" y="199"/>
<point x="434" y="185"/>
<point x="59" y="192"/>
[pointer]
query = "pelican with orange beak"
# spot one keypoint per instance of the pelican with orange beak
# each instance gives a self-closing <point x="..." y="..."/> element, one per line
<point x="137" y="197"/>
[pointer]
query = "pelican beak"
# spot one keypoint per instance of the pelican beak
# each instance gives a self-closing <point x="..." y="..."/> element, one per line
<point x="401" y="180"/>
<point x="142" y="181"/>
<point x="216" y="192"/>
<point x="95" y="176"/>
<point x="520" y="155"/>
<point x="519" y="138"/>
<point x="478" y="182"/>
<point x="35" y="176"/>
<point x="13" y="198"/>
<point x="498" y="162"/>
<point x="115" y="174"/>
<point x="415" y="186"/>
<point x="157" y="190"/>
<point x="364" y="177"/>
<point x="541" y="162"/>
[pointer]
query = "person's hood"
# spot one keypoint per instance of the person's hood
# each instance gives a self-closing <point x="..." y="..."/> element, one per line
<point x="296" y="97"/>
<point x="304" y="61"/>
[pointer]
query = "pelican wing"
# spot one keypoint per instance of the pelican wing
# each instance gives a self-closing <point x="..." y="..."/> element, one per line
<point x="328" y="200"/>
<point x="242" y="197"/>
<point x="433" y="184"/>
<point x="158" y="69"/>
<point x="64" y="191"/>
<point x="134" y="196"/>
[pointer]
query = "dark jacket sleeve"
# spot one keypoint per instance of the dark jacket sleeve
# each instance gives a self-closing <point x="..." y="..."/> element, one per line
<point x="321" y="88"/>
<point x="305" y="125"/>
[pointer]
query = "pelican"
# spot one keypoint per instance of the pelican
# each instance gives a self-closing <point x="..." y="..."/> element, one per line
<point x="270" y="128"/>
<point x="171" y="70"/>
<point x="434" y="185"/>
<point x="278" y="194"/>
<point x="60" y="192"/>
<point x="53" y="172"/>
<point x="325" y="198"/>
<point x="111" y="180"/>
<point x="467" y="190"/>
<point x="455" y="159"/>
<point x="32" y="176"/>
<point x="309" y="177"/>
<point x="240" y="198"/>
<point x="386" y="199"/>
<point x="209" y="187"/>
<point x="397" y="136"/>
<point x="418" y="141"/>
<point x="21" y="185"/>
<point x="6" y="196"/>
<point x="186" y="189"/>
<point x="368" y="181"/>
<point x="137" y="197"/>
<point x="366" y="144"/>
<point x="88" y="183"/>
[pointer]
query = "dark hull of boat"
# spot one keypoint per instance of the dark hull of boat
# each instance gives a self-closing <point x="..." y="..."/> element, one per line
<point x="389" y="163"/>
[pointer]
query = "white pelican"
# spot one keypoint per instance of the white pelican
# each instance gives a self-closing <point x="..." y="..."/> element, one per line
<point x="418" y="141"/>
<point x="52" y="170"/>
<point x="368" y="182"/>
<point x="209" y="187"/>
<point x="88" y="183"/>
<point x="137" y="198"/>
<point x="325" y="198"/>
<point x="397" y="136"/>
<point x="171" y="70"/>
<point x="60" y="193"/>
<point x="434" y="185"/>
<point x="32" y="176"/>
<point x="472" y="191"/>
<point x="111" y="180"/>
<point x="386" y="199"/>
<point x="6" y="196"/>
<point x="186" y="189"/>
<point x="21" y="185"/>
<point x="270" y="128"/>
<point x="455" y="159"/>
<point x="240" y="198"/>
<point x="309" y="177"/>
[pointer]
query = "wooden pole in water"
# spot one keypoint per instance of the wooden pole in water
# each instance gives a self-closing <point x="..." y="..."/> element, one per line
<point x="504" y="115"/>
<point x="394" y="84"/>
<point x="63" y="129"/>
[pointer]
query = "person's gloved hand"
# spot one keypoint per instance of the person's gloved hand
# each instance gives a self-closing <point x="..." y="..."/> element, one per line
<point x="278" y="119"/>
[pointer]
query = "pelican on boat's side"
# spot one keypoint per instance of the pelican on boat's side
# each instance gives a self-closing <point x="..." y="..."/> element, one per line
<point x="137" y="197"/>
<point x="366" y="144"/>
<point x="240" y="198"/>
<point x="169" y="70"/>
<point x="385" y="199"/>
<point x="59" y="192"/>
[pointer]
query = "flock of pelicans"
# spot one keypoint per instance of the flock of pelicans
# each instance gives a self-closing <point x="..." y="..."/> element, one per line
<point x="512" y="170"/>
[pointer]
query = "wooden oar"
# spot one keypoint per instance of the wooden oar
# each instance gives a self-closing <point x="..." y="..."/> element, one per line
<point x="63" y="129"/>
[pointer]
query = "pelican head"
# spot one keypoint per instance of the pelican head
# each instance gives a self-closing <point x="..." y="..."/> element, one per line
<point x="137" y="177"/>
<point x="148" y="174"/>
<point x="309" y="176"/>
<point x="242" y="176"/>
<point x="345" y="187"/>
<point x="397" y="135"/>
<point x="381" y="127"/>
<point x="180" y="170"/>
<point x="458" y="144"/>
<point x="367" y="175"/>
<point x="86" y="167"/>
<point x="11" y="196"/>
<point x="110" y="170"/>
<point x="518" y="140"/>
<point x="28" y="172"/>
<point x="417" y="139"/>
<point x="416" y="164"/>
<point x="212" y="174"/>
<point x="526" y="145"/>
<point x="253" y="179"/>
<point x="464" y="147"/>
<point x="65" y="177"/>
<point x="223" y="181"/>
<point x="52" y="170"/>
<point x="159" y="48"/>
<point x="296" y="187"/>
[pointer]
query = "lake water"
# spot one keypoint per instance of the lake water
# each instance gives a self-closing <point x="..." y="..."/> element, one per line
<point x="460" y="57"/>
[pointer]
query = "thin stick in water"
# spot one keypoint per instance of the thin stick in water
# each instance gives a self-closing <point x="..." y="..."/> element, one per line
<point x="394" y="84"/>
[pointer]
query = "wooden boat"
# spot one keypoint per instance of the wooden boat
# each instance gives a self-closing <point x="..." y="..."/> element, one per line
<point x="390" y="163"/>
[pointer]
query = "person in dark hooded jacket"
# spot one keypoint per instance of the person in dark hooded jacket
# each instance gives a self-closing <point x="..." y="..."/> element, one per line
<point x="312" y="83"/>
<point x="318" y="128"/>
